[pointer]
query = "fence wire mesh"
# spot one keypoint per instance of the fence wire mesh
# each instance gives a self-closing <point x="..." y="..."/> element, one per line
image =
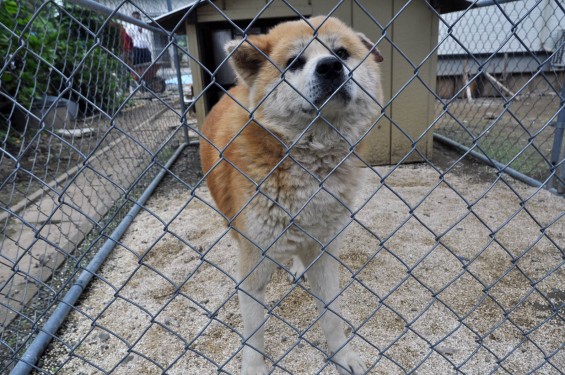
<point x="503" y="70"/>
<point x="447" y="265"/>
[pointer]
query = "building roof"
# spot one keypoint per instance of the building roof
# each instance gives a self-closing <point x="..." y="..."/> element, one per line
<point x="173" y="20"/>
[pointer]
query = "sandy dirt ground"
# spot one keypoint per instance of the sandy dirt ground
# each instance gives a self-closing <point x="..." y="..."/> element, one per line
<point x="438" y="274"/>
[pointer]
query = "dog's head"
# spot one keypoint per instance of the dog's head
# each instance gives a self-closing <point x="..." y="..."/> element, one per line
<point x="302" y="69"/>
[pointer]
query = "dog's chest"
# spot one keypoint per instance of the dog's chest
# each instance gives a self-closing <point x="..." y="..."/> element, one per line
<point x="307" y="193"/>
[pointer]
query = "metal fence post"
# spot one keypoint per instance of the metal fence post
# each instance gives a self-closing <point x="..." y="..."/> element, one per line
<point x="559" y="171"/>
<point x="179" y="81"/>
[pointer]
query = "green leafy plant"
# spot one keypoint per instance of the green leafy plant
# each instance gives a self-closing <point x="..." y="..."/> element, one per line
<point x="58" y="50"/>
<point x="95" y="74"/>
<point x="26" y="43"/>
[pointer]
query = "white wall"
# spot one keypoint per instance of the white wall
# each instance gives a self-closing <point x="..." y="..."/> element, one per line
<point x="489" y="30"/>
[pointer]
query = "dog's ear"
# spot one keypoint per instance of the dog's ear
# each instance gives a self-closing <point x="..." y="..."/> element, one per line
<point x="371" y="46"/>
<point x="247" y="56"/>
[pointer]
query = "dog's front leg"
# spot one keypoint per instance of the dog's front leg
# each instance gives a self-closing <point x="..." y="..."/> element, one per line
<point x="255" y="272"/>
<point x="324" y="282"/>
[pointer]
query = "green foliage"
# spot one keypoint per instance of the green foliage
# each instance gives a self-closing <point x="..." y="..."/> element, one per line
<point x="58" y="51"/>
<point x="22" y="80"/>
<point x="95" y="73"/>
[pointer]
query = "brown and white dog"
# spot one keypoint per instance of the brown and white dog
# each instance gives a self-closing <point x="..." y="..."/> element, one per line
<point x="278" y="154"/>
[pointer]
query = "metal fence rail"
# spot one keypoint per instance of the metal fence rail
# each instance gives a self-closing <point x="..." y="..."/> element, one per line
<point x="448" y="265"/>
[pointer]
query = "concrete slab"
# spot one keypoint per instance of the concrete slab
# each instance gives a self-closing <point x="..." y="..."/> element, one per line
<point x="52" y="222"/>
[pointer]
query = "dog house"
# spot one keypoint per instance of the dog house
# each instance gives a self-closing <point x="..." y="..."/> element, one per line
<point x="408" y="69"/>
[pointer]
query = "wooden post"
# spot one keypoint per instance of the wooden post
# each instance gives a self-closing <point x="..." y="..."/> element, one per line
<point x="467" y="84"/>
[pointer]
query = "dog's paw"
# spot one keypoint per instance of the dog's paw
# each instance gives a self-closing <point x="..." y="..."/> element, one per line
<point x="296" y="269"/>
<point x="256" y="368"/>
<point x="253" y="363"/>
<point x="349" y="363"/>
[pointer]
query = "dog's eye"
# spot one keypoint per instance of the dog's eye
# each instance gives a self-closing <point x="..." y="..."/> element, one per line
<point x="295" y="63"/>
<point x="342" y="53"/>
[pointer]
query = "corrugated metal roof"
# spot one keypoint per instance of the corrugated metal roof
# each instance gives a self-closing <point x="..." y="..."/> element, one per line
<point x="524" y="26"/>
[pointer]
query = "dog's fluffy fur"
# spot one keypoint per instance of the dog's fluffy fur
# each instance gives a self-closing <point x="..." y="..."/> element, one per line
<point x="278" y="154"/>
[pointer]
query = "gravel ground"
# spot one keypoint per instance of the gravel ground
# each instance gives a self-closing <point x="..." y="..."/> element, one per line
<point x="452" y="285"/>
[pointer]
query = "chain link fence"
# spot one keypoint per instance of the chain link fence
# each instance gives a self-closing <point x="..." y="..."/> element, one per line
<point x="501" y="72"/>
<point x="83" y="131"/>
<point x="115" y="259"/>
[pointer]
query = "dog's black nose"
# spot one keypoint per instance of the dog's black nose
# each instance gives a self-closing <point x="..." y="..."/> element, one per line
<point x="329" y="68"/>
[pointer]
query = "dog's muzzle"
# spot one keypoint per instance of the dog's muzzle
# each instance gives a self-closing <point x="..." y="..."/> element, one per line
<point x="330" y="76"/>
